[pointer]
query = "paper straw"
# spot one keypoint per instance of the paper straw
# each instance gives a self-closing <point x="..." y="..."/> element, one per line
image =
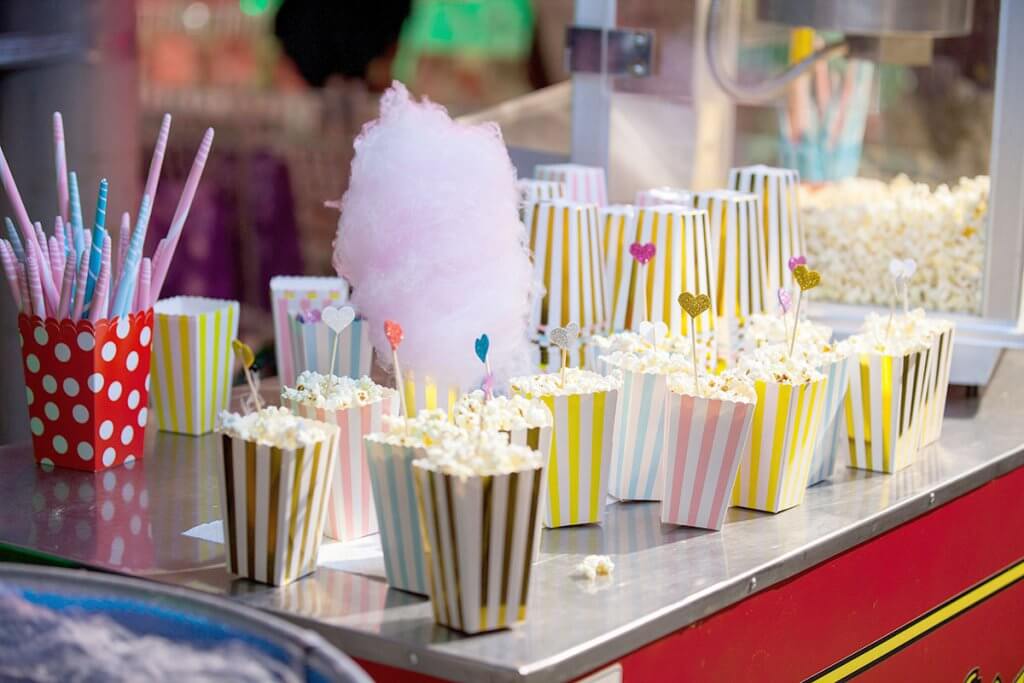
<point x="23" y="287"/>
<point x="68" y="283"/>
<point x="11" y="271"/>
<point x="181" y="212"/>
<point x="76" y="214"/>
<point x="98" y="310"/>
<point x="145" y="276"/>
<point x="127" y="278"/>
<point x="98" y="232"/>
<point x="15" y="199"/>
<point x="61" y="162"/>
<point x="12" y="235"/>
<point x="58" y="231"/>
<point x="49" y="302"/>
<point x="41" y="240"/>
<point x="69" y="240"/>
<point x="158" y="157"/>
<point x="56" y="258"/>
<point x="83" y="274"/>
<point x="35" y="287"/>
<point x="123" y="235"/>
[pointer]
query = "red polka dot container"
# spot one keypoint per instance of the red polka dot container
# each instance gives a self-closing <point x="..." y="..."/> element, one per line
<point x="87" y="388"/>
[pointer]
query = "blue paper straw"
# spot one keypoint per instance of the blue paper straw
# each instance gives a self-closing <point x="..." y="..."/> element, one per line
<point x="129" y="274"/>
<point x="12" y="235"/>
<point x="96" y="255"/>
<point x="76" y="215"/>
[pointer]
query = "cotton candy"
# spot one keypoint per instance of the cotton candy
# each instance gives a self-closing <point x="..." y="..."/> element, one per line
<point x="430" y="237"/>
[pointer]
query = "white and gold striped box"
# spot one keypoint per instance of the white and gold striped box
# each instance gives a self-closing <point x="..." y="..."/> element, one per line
<point x="618" y="232"/>
<point x="582" y="183"/>
<point x="938" y="382"/>
<point x="533" y="190"/>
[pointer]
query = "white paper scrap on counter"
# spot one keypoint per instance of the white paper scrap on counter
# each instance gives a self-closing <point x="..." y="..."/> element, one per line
<point x="361" y="556"/>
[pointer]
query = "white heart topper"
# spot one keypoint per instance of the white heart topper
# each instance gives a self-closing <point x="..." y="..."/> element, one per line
<point x="338" y="319"/>
<point x="654" y="332"/>
<point x="902" y="270"/>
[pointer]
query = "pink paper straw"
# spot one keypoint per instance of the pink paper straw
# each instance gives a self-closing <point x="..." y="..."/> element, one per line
<point x="35" y="287"/>
<point x="56" y="257"/>
<point x="145" y="277"/>
<point x="41" y="259"/>
<point x="61" y="162"/>
<point x="181" y="212"/>
<point x="123" y="237"/>
<point x="58" y="231"/>
<point x="23" y="286"/>
<point x="20" y="214"/>
<point x="83" y="275"/>
<point x="64" y="308"/>
<point x="11" y="271"/>
<point x="98" y="308"/>
<point x="158" y="157"/>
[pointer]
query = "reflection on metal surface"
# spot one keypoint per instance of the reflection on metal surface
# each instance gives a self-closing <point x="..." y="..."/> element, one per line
<point x="935" y="18"/>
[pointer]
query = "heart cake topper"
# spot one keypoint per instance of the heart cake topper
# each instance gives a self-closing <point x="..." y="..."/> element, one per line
<point x="785" y="300"/>
<point x="694" y="305"/>
<point x="248" y="358"/>
<point x="563" y="337"/>
<point x="482" y="345"/>
<point x="244" y="353"/>
<point x="794" y="261"/>
<point x="642" y="252"/>
<point x="806" y="278"/>
<point x="902" y="270"/>
<point x="393" y="331"/>
<point x="337" y="319"/>
<point x="654" y="332"/>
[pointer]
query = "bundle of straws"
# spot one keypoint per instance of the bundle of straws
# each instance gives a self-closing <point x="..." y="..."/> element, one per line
<point x="71" y="274"/>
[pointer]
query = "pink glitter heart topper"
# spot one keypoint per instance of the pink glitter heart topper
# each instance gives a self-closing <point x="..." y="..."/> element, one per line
<point x="785" y="300"/>
<point x="642" y="252"/>
<point x="795" y="261"/>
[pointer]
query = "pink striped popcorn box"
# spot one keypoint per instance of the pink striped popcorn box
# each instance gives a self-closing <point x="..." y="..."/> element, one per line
<point x="705" y="439"/>
<point x="350" y="507"/>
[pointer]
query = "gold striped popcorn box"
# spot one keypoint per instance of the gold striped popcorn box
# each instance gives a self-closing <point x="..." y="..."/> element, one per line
<point x="618" y="232"/>
<point x="638" y="438"/>
<point x="533" y="190"/>
<point x="479" y="541"/>
<point x="350" y="508"/>
<point x="656" y="196"/>
<point x="426" y="392"/>
<point x="778" y="190"/>
<point x="577" y="471"/>
<point x="684" y="263"/>
<point x="394" y="497"/>
<point x="566" y="246"/>
<point x="938" y="382"/>
<point x="299" y="294"/>
<point x="275" y="504"/>
<point x="537" y="439"/>
<point x="312" y="344"/>
<point x="192" y="362"/>
<point x="582" y="183"/>
<point x="885" y="409"/>
<point x="831" y="437"/>
<point x="705" y="440"/>
<point x="774" y="470"/>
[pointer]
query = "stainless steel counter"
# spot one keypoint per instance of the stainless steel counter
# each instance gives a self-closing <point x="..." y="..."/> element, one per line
<point x="131" y="521"/>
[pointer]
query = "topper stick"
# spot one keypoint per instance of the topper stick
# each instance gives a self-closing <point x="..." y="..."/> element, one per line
<point x="693" y="342"/>
<point x="394" y="334"/>
<point x="248" y="358"/>
<point x="796" y="321"/>
<point x="906" y="296"/>
<point x="565" y="362"/>
<point x="399" y="384"/>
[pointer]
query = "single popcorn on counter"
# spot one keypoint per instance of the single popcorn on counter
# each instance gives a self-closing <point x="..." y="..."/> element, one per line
<point x="501" y="413"/>
<point x="731" y="385"/>
<point x="332" y="392"/>
<point x="484" y="454"/>
<point x="773" y="363"/>
<point x="275" y="427"/>
<point x="428" y="428"/>
<point x="764" y="328"/>
<point x="594" y="566"/>
<point x="577" y="381"/>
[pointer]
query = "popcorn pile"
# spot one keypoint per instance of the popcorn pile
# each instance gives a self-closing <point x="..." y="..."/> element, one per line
<point x="428" y="428"/>
<point x="486" y="453"/>
<point x="332" y="392"/>
<point x="650" y="361"/>
<point x="910" y="333"/>
<point x="275" y="427"/>
<point x="774" y="364"/>
<point x="501" y="413"/>
<point x="732" y="385"/>
<point x="854" y="227"/>
<point x="823" y="353"/>
<point x="576" y="382"/>
<point x="631" y="342"/>
<point x="763" y="328"/>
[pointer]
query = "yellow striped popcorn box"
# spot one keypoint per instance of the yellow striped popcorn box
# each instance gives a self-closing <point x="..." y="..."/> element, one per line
<point x="684" y="263"/>
<point x="350" y="506"/>
<point x="566" y="245"/>
<point x="425" y="392"/>
<point x="736" y="239"/>
<point x="192" y="362"/>
<point x="533" y="190"/>
<point x="275" y="505"/>
<point x="778" y="190"/>
<point x="938" y="381"/>
<point x="479" y="541"/>
<point x="773" y="473"/>
<point x="296" y="294"/>
<point x="664" y="195"/>
<point x="885" y="408"/>
<point x="582" y="183"/>
<point x="618" y="231"/>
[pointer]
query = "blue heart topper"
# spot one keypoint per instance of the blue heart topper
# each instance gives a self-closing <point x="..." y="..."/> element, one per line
<point x="482" y="346"/>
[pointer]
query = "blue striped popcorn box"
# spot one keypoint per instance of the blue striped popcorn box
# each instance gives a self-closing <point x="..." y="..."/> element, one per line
<point x="275" y="505"/>
<point x="638" y="440"/>
<point x="829" y="441"/>
<point x="479" y="539"/>
<point x="312" y="344"/>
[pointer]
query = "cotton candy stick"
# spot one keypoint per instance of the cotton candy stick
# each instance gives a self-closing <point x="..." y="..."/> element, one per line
<point x="76" y="214"/>
<point x="67" y="284"/>
<point x="81" y="277"/>
<point x="181" y="212"/>
<point x="35" y="287"/>
<point x="11" y="271"/>
<point x="145" y="277"/>
<point x="153" y="179"/>
<point x="98" y="310"/>
<point x="61" y="162"/>
<point x="12" y="235"/>
<point x="127" y="279"/>
<point x="123" y="235"/>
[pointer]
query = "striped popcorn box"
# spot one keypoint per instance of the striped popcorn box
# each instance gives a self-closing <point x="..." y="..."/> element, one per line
<point x="618" y="231"/>
<point x="391" y="477"/>
<point x="777" y="461"/>
<point x="577" y="470"/>
<point x="885" y="408"/>
<point x="657" y="196"/>
<point x="684" y="263"/>
<point x="350" y="507"/>
<point x="532" y="190"/>
<point x="275" y="504"/>
<point x="479" y="541"/>
<point x="638" y="438"/>
<point x="582" y="183"/>
<point x="312" y="343"/>
<point x="783" y="237"/>
<point x="295" y="294"/>
<point x="938" y="381"/>
<point x="424" y="392"/>
<point x="566" y="245"/>
<point x="829" y="441"/>
<point x="192" y="362"/>
<point x="736" y="241"/>
<point x="705" y="439"/>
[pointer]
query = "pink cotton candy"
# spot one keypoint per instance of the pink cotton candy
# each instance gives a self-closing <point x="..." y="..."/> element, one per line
<point x="430" y="237"/>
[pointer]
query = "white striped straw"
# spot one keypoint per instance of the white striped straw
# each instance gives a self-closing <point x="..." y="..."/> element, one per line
<point x="11" y="271"/>
<point x="145" y="276"/>
<point x="64" y="309"/>
<point x="35" y="287"/>
<point x="98" y="310"/>
<point x="158" y="157"/>
<point x="123" y="236"/>
<point x="83" y="275"/>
